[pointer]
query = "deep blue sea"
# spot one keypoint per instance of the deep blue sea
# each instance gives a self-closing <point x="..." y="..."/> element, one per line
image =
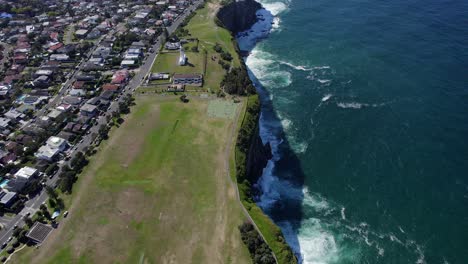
<point x="365" y="104"/>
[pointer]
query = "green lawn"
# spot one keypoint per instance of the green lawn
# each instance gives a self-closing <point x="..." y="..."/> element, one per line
<point x="203" y="27"/>
<point x="156" y="192"/>
<point x="168" y="62"/>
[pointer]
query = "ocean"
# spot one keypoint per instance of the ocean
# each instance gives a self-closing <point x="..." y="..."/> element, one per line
<point x="365" y="105"/>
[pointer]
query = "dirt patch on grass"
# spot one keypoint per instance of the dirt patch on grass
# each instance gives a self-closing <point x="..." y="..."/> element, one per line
<point x="213" y="7"/>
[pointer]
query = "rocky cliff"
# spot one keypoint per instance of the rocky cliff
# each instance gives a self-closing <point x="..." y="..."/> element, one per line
<point x="257" y="158"/>
<point x="239" y="15"/>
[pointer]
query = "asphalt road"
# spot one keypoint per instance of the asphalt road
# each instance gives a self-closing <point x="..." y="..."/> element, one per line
<point x="32" y="205"/>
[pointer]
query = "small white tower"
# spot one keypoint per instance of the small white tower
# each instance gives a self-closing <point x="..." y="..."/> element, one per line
<point x="182" y="57"/>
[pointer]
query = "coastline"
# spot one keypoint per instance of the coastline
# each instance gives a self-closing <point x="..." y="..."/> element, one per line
<point x="251" y="162"/>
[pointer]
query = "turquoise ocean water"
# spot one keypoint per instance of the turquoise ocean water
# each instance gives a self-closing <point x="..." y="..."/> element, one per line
<point x="365" y="104"/>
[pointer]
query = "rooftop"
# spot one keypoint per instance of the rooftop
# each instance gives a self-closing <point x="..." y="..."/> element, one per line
<point x="39" y="232"/>
<point x="26" y="172"/>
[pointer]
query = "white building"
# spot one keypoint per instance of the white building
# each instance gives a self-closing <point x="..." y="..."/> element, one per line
<point x="26" y="173"/>
<point x="51" y="149"/>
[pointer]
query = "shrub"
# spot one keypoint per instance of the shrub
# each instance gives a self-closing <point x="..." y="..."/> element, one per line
<point x="10" y="250"/>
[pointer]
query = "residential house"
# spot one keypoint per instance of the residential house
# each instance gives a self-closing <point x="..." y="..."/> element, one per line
<point x="88" y="110"/>
<point x="52" y="148"/>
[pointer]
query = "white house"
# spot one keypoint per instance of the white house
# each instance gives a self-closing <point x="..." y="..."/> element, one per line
<point x="51" y="149"/>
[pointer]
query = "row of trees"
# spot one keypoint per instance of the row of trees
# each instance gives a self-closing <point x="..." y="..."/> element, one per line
<point x="68" y="176"/>
<point x="258" y="249"/>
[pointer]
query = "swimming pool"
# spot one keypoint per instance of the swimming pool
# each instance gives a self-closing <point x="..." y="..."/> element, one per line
<point x="4" y="183"/>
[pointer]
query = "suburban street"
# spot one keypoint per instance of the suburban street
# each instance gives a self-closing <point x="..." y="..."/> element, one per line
<point x="33" y="204"/>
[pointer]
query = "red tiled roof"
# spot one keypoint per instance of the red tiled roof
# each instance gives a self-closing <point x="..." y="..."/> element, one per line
<point x="10" y="78"/>
<point x="56" y="47"/>
<point x="118" y="80"/>
<point x="110" y="87"/>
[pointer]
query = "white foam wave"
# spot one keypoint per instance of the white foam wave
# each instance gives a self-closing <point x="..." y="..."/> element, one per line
<point x="275" y="25"/>
<point x="323" y="81"/>
<point x="343" y="216"/>
<point x="317" y="245"/>
<point x="357" y="105"/>
<point x="264" y="66"/>
<point x="286" y="123"/>
<point x="321" y="67"/>
<point x="352" y="105"/>
<point x="421" y="258"/>
<point x="297" y="67"/>
<point x="299" y="148"/>
<point x="326" y="97"/>
<point x="275" y="8"/>
<point x="401" y="230"/>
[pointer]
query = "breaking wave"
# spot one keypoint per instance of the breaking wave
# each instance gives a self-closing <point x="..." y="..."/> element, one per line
<point x="275" y="8"/>
<point x="356" y="105"/>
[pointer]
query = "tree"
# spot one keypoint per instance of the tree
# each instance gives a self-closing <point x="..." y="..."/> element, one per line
<point x="52" y="203"/>
<point x="10" y="250"/>
<point x="28" y="221"/>
<point x="103" y="132"/>
<point x="51" y="192"/>
<point x="22" y="236"/>
<point x="50" y="169"/>
<point x="17" y="231"/>
<point x="238" y="82"/>
<point x="79" y="161"/>
<point x="46" y="213"/>
<point x="184" y="99"/>
<point x="67" y="179"/>
<point x="123" y="108"/>
<point x="60" y="204"/>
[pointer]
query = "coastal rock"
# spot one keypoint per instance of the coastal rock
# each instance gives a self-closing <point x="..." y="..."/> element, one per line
<point x="257" y="158"/>
<point x="239" y="15"/>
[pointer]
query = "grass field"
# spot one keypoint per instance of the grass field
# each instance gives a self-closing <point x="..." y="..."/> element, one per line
<point x="222" y="109"/>
<point x="156" y="192"/>
<point x="168" y="62"/>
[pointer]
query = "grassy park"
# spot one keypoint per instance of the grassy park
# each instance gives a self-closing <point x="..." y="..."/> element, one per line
<point x="156" y="192"/>
<point x="203" y="27"/>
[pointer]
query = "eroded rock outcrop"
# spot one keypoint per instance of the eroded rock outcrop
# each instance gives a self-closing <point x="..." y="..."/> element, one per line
<point x="239" y="15"/>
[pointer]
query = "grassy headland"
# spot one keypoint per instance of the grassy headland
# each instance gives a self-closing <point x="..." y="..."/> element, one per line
<point x="155" y="193"/>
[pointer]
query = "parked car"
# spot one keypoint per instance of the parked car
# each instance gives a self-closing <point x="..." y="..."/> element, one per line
<point x="65" y="214"/>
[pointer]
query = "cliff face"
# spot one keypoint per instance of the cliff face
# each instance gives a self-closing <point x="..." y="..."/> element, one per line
<point x="257" y="158"/>
<point x="239" y="15"/>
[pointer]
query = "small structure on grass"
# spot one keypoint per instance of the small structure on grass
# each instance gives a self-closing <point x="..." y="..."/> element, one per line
<point x="182" y="57"/>
<point x="39" y="232"/>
